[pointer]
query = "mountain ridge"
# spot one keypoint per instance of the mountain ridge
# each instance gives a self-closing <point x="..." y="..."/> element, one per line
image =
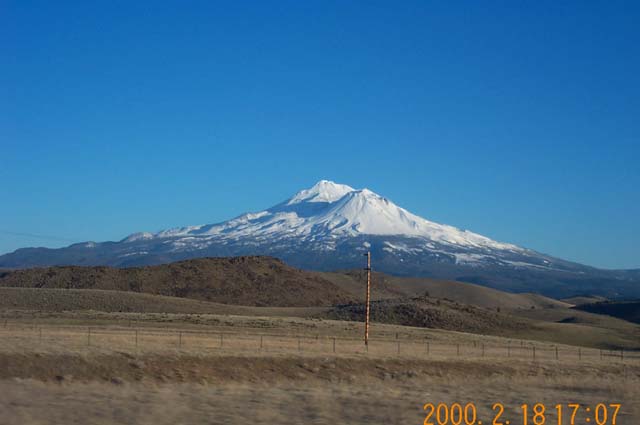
<point x="329" y="226"/>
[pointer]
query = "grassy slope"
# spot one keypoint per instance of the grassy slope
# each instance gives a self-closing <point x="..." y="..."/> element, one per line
<point x="386" y="286"/>
<point x="584" y="299"/>
<point x="59" y="300"/>
<point x="579" y="327"/>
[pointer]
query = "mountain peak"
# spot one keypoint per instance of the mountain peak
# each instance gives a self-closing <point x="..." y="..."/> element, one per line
<point x="323" y="191"/>
<point x="324" y="212"/>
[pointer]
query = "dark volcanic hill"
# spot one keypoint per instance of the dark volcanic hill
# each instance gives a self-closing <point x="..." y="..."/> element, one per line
<point x="626" y="310"/>
<point x="251" y="281"/>
<point x="431" y="313"/>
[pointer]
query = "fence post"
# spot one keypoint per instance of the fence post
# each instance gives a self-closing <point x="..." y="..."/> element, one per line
<point x="136" y="339"/>
<point x="458" y="349"/>
<point x="398" y="347"/>
<point x="88" y="337"/>
<point x="180" y="340"/>
<point x="40" y="334"/>
<point x="622" y="354"/>
<point x="261" y="342"/>
<point x="483" y="350"/>
<point x="601" y="354"/>
<point x="334" y="344"/>
<point x="299" y="346"/>
<point x="556" y="352"/>
<point x="534" y="352"/>
<point x="427" y="348"/>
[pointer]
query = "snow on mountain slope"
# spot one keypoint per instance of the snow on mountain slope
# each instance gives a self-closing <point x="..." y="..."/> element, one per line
<point x="326" y="211"/>
<point x="329" y="212"/>
<point x="323" y="191"/>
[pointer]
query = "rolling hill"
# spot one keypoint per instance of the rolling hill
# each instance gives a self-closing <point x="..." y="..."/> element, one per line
<point x="264" y="281"/>
<point x="266" y="287"/>
<point x="385" y="286"/>
<point x="250" y="281"/>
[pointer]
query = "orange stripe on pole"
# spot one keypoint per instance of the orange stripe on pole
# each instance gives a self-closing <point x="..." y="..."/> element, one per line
<point x="366" y="320"/>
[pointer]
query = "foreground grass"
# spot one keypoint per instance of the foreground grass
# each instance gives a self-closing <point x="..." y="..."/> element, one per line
<point x="52" y="373"/>
<point x="356" y="400"/>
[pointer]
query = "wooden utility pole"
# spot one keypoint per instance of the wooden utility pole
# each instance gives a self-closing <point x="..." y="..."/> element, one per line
<point x="366" y="319"/>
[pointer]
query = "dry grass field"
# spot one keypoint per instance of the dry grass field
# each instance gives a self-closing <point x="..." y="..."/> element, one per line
<point x="555" y="324"/>
<point x="103" y="356"/>
<point x="86" y="368"/>
<point x="355" y="400"/>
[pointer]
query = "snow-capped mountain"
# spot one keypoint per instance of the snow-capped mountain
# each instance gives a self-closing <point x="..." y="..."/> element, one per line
<point x="323" y="214"/>
<point x="329" y="226"/>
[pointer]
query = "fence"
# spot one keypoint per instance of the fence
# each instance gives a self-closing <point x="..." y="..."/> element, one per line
<point x="159" y="340"/>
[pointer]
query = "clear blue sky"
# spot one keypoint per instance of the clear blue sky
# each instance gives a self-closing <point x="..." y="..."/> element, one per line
<point x="517" y="120"/>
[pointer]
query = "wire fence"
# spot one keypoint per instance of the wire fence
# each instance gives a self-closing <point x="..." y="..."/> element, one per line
<point x="158" y="340"/>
